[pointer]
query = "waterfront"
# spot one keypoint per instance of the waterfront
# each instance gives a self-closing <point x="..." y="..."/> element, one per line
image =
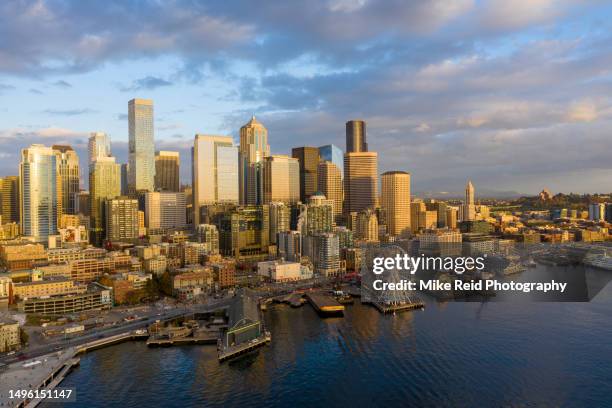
<point x="450" y="354"/>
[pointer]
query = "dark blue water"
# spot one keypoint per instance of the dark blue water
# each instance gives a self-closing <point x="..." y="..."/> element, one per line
<point x="450" y="354"/>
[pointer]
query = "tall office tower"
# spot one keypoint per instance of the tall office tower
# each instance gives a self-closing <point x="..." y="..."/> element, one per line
<point x="254" y="148"/>
<point x="290" y="246"/>
<point x="10" y="199"/>
<point x="367" y="226"/>
<point x="99" y="145"/>
<point x="280" y="217"/>
<point x="360" y="181"/>
<point x="316" y="216"/>
<point x="597" y="211"/>
<point x="356" y="136"/>
<point x="104" y="184"/>
<point x="167" y="171"/>
<point x="122" y="222"/>
<point x="396" y="201"/>
<point x="441" y="208"/>
<point x="309" y="162"/>
<point x="333" y="153"/>
<point x="214" y="172"/>
<point x="141" y="175"/>
<point x="38" y="182"/>
<point x="208" y="234"/>
<point x="164" y="210"/>
<point x="68" y="170"/>
<point x="125" y="170"/>
<point x="281" y="179"/>
<point x="330" y="185"/>
<point x="469" y="209"/>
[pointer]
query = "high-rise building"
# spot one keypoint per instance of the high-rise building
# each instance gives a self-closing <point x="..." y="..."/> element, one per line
<point x="208" y="233"/>
<point x="356" y="136"/>
<point x="164" y="210"/>
<point x="254" y="148"/>
<point x="395" y="200"/>
<point x="141" y="176"/>
<point x="9" y="203"/>
<point x="316" y="216"/>
<point x="99" y="145"/>
<point x="68" y="170"/>
<point x="324" y="251"/>
<point x="38" y="191"/>
<point x="244" y="232"/>
<point x="215" y="172"/>
<point x="334" y="154"/>
<point x="360" y="181"/>
<point x="330" y="185"/>
<point x="469" y="208"/>
<point x="367" y="226"/>
<point x="309" y="162"/>
<point x="167" y="166"/>
<point x="290" y="246"/>
<point x="281" y="179"/>
<point x="597" y="211"/>
<point x="280" y="217"/>
<point x="104" y="184"/>
<point x="122" y="219"/>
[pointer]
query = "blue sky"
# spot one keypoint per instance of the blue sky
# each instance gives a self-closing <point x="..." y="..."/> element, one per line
<point x="514" y="95"/>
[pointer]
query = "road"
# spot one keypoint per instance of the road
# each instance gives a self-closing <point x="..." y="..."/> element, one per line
<point x="111" y="331"/>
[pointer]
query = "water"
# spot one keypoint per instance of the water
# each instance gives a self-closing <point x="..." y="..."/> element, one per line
<point x="450" y="354"/>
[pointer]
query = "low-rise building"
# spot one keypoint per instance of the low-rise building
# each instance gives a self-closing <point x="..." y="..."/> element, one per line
<point x="283" y="271"/>
<point x="10" y="338"/>
<point x="97" y="297"/>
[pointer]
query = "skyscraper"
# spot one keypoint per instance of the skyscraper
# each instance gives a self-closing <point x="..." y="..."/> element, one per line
<point x="167" y="166"/>
<point x="164" y="210"/>
<point x="280" y="217"/>
<point x="333" y="154"/>
<point x="104" y="184"/>
<point x="469" y="209"/>
<point x="356" y="136"/>
<point x="10" y="199"/>
<point x="99" y="145"/>
<point x="360" y="181"/>
<point x="316" y="216"/>
<point x="141" y="176"/>
<point x="254" y="148"/>
<point x="396" y="201"/>
<point x="215" y="172"/>
<point x="68" y="170"/>
<point x="330" y="185"/>
<point x="38" y="192"/>
<point x="125" y="188"/>
<point x="121" y="219"/>
<point x="281" y="179"/>
<point x="309" y="162"/>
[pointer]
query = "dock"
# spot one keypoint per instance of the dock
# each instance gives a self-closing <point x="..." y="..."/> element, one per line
<point x="244" y="348"/>
<point x="325" y="305"/>
<point x="205" y="338"/>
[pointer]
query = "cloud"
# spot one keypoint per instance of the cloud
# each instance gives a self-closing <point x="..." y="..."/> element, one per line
<point x="582" y="112"/>
<point x="147" y="83"/>
<point x="62" y="84"/>
<point x="36" y="91"/>
<point x="69" y="112"/>
<point x="5" y="87"/>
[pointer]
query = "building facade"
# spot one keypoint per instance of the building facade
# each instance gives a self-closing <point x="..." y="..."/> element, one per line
<point x="141" y="172"/>
<point x="308" y="158"/>
<point x="281" y="179"/>
<point x="254" y="148"/>
<point x="360" y="181"/>
<point x="356" y="136"/>
<point x="395" y="200"/>
<point x="167" y="171"/>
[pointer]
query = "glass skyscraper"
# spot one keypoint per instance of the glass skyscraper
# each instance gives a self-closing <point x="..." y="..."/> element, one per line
<point x="141" y="145"/>
<point x="333" y="154"/>
<point x="215" y="171"/>
<point x="38" y="190"/>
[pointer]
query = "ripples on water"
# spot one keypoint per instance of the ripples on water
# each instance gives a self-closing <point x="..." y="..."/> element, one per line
<point x="450" y="354"/>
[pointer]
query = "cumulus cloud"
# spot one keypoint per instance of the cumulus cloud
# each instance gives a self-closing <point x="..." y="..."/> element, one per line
<point x="147" y="83"/>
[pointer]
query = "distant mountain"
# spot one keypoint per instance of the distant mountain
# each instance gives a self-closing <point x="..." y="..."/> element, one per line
<point x="454" y="195"/>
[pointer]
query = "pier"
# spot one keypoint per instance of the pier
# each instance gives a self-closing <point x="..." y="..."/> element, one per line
<point x="400" y="307"/>
<point x="325" y="305"/>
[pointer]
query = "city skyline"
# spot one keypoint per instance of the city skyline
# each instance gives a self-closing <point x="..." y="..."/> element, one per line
<point x="523" y="96"/>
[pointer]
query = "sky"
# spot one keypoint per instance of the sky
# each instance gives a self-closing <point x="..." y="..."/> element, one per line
<point x="514" y="95"/>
